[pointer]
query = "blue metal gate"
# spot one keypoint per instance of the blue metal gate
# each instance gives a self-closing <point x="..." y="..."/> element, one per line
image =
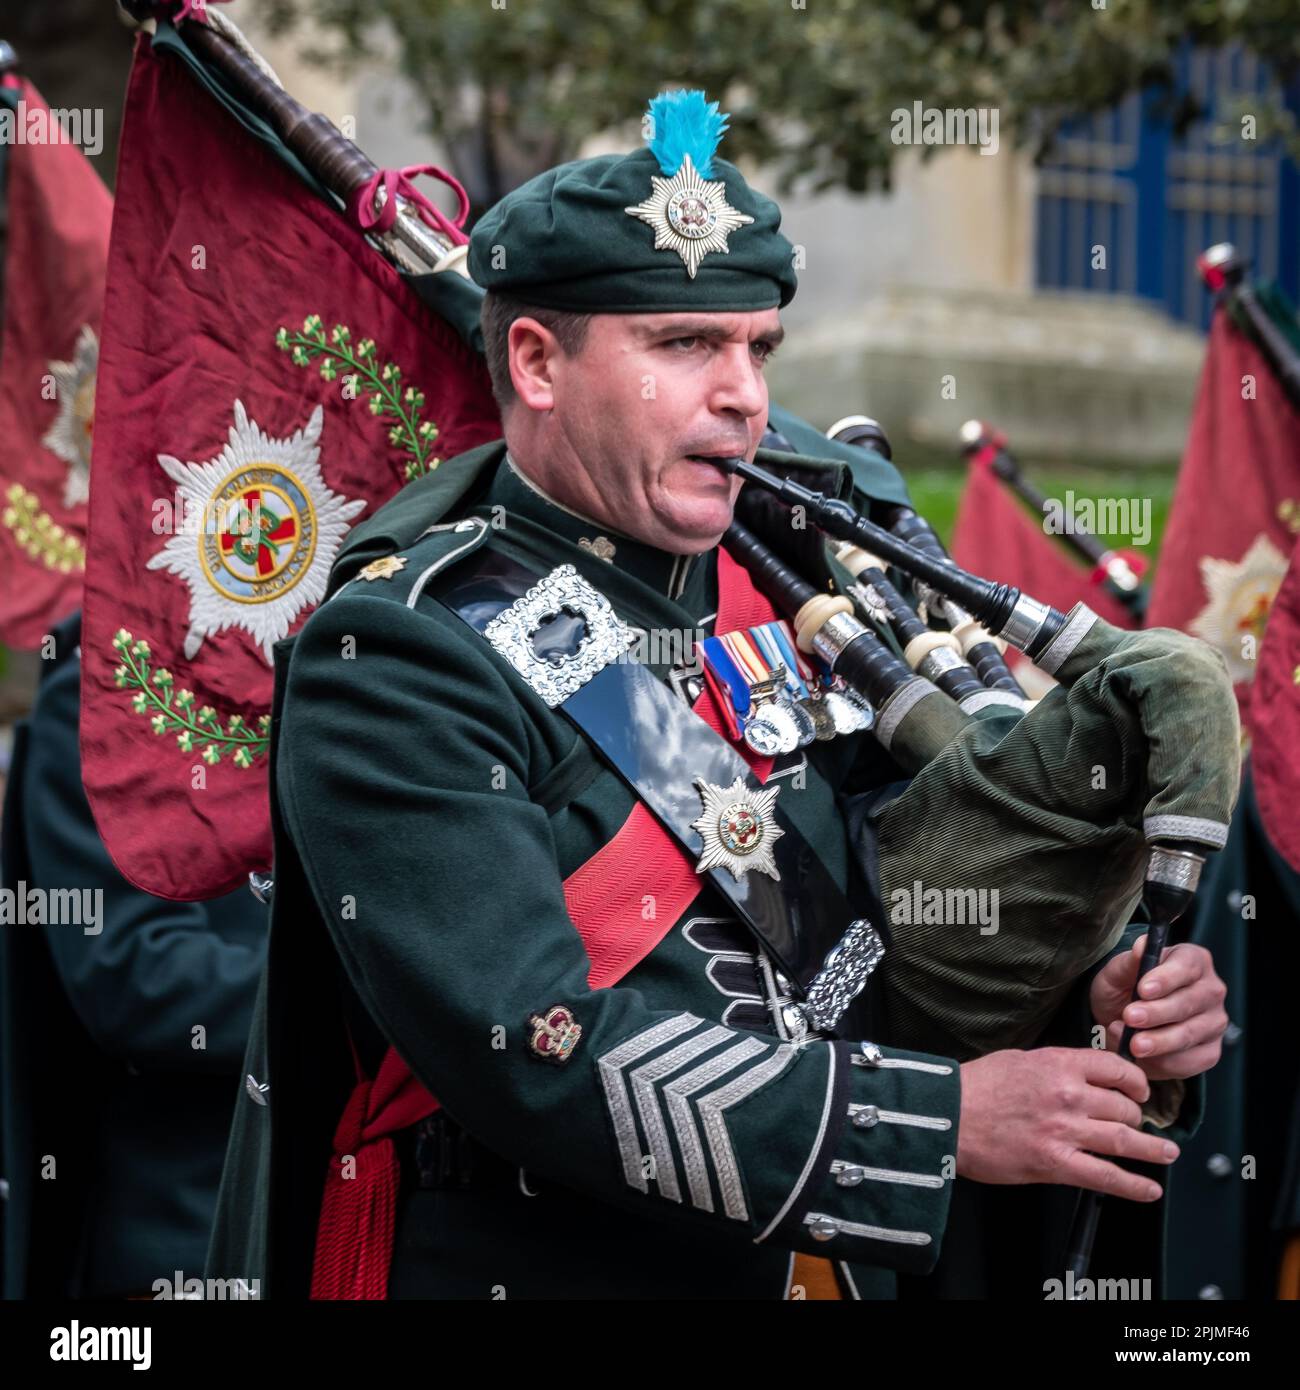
<point x="1120" y="180"/>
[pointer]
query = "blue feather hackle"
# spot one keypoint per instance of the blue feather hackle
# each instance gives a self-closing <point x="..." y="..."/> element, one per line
<point x="685" y="123"/>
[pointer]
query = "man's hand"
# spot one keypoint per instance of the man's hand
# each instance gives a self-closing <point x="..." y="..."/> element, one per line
<point x="1046" y="1115"/>
<point x="1180" y="1014"/>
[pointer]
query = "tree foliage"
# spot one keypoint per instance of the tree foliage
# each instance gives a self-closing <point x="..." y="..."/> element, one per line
<point x="514" y="86"/>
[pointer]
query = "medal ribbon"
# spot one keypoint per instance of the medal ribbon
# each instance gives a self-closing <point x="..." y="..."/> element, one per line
<point x="742" y="649"/>
<point x="729" y="687"/>
<point x="768" y="638"/>
<point x="735" y="661"/>
<point x="798" y="662"/>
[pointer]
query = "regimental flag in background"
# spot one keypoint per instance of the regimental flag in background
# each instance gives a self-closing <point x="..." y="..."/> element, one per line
<point x="1223" y="574"/>
<point x="996" y="537"/>
<point x="1274" y="716"/>
<point x="266" y="381"/>
<point x="1236" y="510"/>
<point x="55" y="256"/>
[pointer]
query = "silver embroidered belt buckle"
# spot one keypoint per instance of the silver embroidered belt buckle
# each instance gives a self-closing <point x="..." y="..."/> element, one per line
<point x="556" y="676"/>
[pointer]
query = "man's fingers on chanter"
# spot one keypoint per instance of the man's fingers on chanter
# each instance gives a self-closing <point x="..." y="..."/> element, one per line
<point x="1186" y="1003"/>
<point x="1106" y="1069"/>
<point x="1180" y="1037"/>
<point x="1191" y="1063"/>
<point x="1105" y="1104"/>
<point x="1123" y="1141"/>
<point x="1097" y="1175"/>
<point x="1177" y="969"/>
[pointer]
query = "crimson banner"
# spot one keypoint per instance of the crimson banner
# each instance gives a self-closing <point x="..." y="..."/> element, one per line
<point x="1236" y="510"/>
<point x="266" y="381"/>
<point x="56" y="253"/>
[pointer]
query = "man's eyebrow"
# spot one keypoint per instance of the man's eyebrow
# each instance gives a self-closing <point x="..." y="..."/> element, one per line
<point x="700" y="328"/>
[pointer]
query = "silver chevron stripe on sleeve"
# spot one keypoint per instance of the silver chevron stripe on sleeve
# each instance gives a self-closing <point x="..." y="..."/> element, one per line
<point x="645" y="1080"/>
<point x="611" y="1067"/>
<point x="712" y="1107"/>
<point x="636" y="1090"/>
<point x="679" y="1109"/>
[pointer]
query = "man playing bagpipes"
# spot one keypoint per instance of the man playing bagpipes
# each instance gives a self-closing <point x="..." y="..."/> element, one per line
<point x="579" y="985"/>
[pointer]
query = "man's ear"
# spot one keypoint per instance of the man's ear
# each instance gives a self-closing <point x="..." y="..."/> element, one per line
<point x="532" y="350"/>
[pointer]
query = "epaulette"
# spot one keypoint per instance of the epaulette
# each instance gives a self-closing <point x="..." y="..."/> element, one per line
<point x="401" y="575"/>
<point x="418" y="509"/>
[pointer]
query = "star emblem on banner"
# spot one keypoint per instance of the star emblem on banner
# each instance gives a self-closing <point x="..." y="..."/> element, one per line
<point x="269" y="531"/>
<point x="69" y="437"/>
<point x="1241" y="593"/>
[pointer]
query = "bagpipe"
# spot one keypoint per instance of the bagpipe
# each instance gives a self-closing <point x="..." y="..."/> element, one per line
<point x="1070" y="810"/>
<point x="1259" y="315"/>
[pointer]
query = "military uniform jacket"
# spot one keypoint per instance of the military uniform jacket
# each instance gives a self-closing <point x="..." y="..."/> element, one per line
<point x="429" y="808"/>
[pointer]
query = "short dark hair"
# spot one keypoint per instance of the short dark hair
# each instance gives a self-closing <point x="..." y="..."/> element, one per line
<point x="499" y="311"/>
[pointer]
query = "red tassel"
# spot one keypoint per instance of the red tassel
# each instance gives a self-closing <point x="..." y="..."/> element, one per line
<point x="354" y="1241"/>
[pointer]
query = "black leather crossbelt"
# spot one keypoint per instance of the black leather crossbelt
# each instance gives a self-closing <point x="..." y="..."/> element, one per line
<point x="660" y="748"/>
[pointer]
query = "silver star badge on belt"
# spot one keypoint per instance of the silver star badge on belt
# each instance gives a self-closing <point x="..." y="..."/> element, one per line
<point x="738" y="828"/>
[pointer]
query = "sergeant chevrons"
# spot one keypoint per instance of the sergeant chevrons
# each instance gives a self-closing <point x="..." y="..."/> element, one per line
<point x="432" y="807"/>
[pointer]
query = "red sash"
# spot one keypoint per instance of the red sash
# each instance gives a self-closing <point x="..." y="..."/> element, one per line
<point x="604" y="897"/>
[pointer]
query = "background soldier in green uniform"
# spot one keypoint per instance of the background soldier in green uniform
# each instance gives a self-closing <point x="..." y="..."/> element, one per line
<point x="115" y="1110"/>
<point x="449" y="849"/>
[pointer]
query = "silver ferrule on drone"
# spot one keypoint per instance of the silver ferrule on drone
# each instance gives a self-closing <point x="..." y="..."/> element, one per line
<point x="934" y="663"/>
<point x="1175" y="868"/>
<point x="1026" y="622"/>
<point x="834" y="635"/>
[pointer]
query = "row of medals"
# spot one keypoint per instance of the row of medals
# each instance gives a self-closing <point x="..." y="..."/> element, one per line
<point x="779" y="721"/>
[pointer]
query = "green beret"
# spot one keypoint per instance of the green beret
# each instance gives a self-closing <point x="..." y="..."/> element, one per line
<point x="667" y="228"/>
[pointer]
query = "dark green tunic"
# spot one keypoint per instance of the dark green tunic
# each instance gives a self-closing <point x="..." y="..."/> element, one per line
<point x="431" y="808"/>
<point x="1235" y="1194"/>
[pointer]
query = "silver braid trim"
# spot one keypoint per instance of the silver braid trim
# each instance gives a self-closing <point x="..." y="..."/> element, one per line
<point x="899" y="705"/>
<point x="1208" y="832"/>
<point x="822" y="1227"/>
<point x="476" y="524"/>
<point x="1077" y="627"/>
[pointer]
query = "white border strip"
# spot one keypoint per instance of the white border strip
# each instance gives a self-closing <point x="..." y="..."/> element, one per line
<point x="1209" y="832"/>
<point x="899" y="705"/>
<point x="1077" y="627"/>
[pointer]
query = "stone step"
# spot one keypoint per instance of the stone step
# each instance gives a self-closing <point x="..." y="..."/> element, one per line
<point x="1062" y="374"/>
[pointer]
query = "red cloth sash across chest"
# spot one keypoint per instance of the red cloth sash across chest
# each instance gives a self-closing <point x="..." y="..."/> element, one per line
<point x="354" y="1241"/>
